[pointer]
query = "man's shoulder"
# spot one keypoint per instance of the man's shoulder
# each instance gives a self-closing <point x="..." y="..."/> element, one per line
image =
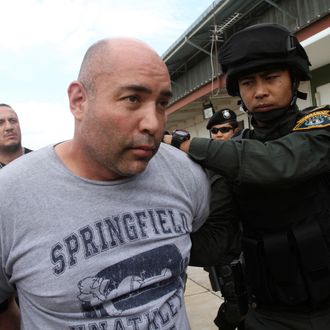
<point x="313" y="118"/>
<point x="174" y="155"/>
<point x="176" y="160"/>
<point x="315" y="108"/>
<point x="170" y="151"/>
<point x="26" y="164"/>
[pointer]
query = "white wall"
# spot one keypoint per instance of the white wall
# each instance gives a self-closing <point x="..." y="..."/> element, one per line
<point x="305" y="87"/>
<point x="323" y="94"/>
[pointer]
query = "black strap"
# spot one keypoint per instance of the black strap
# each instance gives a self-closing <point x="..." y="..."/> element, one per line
<point x="176" y="141"/>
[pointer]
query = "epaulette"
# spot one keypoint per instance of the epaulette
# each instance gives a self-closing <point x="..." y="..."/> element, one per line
<point x="313" y="117"/>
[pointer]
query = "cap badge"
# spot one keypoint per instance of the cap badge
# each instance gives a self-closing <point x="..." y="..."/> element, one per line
<point x="226" y="114"/>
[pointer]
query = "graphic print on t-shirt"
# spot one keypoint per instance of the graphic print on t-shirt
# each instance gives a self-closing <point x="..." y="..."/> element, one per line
<point x="132" y="282"/>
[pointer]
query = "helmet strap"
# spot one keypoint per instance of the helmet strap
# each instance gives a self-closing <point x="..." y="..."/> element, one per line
<point x="296" y="94"/>
<point x="301" y="95"/>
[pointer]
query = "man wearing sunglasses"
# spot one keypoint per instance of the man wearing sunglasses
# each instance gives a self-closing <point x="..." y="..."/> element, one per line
<point x="223" y="125"/>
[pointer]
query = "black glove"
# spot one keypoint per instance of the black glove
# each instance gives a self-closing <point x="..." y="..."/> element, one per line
<point x="229" y="317"/>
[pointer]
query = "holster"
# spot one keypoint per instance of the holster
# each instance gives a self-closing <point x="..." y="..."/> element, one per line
<point x="230" y="281"/>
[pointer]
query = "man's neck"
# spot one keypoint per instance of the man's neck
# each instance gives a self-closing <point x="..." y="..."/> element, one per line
<point x="7" y="157"/>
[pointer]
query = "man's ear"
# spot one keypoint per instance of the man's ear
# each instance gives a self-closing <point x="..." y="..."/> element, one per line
<point x="77" y="98"/>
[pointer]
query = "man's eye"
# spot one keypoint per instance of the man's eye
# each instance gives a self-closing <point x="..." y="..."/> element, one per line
<point x="272" y="76"/>
<point x="246" y="82"/>
<point x="164" y="103"/>
<point x="132" y="98"/>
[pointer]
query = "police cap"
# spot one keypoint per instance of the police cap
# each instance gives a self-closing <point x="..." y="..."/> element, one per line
<point x="220" y="117"/>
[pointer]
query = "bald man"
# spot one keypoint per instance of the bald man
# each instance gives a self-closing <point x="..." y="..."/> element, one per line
<point x="10" y="136"/>
<point x="99" y="235"/>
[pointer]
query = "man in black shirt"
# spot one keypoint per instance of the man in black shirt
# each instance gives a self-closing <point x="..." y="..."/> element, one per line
<point x="10" y="136"/>
<point x="10" y="149"/>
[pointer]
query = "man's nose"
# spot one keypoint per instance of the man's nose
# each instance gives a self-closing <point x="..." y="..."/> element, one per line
<point x="219" y="136"/>
<point x="152" y="119"/>
<point x="8" y="125"/>
<point x="260" y="88"/>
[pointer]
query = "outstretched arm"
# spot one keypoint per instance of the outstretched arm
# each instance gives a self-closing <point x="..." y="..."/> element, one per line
<point x="292" y="158"/>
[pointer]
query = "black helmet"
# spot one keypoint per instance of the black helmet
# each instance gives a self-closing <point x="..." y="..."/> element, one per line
<point x="259" y="47"/>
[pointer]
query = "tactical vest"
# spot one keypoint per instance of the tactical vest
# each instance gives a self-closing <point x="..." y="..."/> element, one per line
<point x="286" y="241"/>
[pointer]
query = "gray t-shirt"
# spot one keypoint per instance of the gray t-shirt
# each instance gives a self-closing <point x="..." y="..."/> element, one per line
<point x="93" y="255"/>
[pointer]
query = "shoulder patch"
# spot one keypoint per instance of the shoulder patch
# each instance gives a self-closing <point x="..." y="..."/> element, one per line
<point x="315" y="119"/>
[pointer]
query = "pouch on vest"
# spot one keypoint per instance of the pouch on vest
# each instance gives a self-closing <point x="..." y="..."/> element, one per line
<point x="288" y="286"/>
<point x="315" y="258"/>
<point x="273" y="271"/>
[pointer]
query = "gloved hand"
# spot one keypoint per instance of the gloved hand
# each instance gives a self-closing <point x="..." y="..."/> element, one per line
<point x="229" y="317"/>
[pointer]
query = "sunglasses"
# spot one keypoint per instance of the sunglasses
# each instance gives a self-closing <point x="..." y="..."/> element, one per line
<point x="215" y="130"/>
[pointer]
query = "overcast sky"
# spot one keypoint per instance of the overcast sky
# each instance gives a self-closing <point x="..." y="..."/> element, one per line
<point x="42" y="43"/>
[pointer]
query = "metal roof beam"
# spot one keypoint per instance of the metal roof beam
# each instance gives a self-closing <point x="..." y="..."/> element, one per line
<point x="194" y="45"/>
<point x="176" y="47"/>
